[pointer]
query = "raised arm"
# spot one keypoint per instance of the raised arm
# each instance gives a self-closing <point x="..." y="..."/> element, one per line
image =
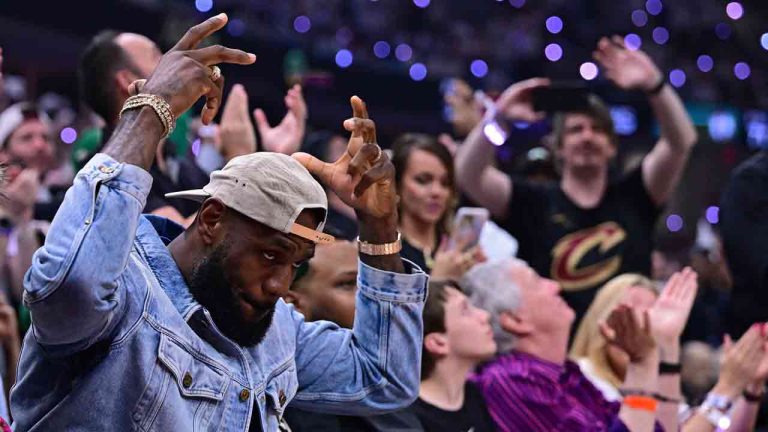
<point x="374" y="367"/>
<point x="668" y="317"/>
<point x="475" y="158"/>
<point x="634" y="70"/>
<point x="73" y="287"/>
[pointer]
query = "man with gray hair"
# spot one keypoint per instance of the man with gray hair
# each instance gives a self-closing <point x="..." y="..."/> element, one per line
<point x="531" y="385"/>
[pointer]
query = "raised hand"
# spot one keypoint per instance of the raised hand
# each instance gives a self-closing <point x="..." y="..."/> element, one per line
<point x="630" y="332"/>
<point x="466" y="111"/>
<point x="184" y="74"/>
<point x="236" y="130"/>
<point x="287" y="136"/>
<point x="516" y="102"/>
<point x="630" y="70"/>
<point x="741" y="361"/>
<point x="670" y="312"/>
<point x="363" y="177"/>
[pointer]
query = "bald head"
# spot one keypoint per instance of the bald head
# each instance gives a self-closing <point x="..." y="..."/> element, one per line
<point x="141" y="52"/>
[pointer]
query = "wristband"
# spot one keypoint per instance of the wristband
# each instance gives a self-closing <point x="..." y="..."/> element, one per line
<point x="657" y="88"/>
<point x="643" y="403"/>
<point x="494" y="132"/>
<point x="380" y="249"/>
<point x="753" y="397"/>
<point x="669" y="368"/>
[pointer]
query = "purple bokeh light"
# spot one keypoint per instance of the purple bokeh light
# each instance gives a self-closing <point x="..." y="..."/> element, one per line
<point x="554" y="24"/>
<point x="381" y="49"/>
<point x="653" y="7"/>
<point x="553" y="52"/>
<point x="639" y="18"/>
<point x="235" y="27"/>
<point x="677" y="77"/>
<point x="403" y="52"/>
<point x="674" y="223"/>
<point x="68" y="135"/>
<point x="588" y="71"/>
<point x="204" y="5"/>
<point x="660" y="35"/>
<point x="479" y="68"/>
<point x="764" y="41"/>
<point x="344" y="58"/>
<point x="302" y="24"/>
<point x="734" y="10"/>
<point x="741" y="70"/>
<point x="705" y="63"/>
<point x="633" y="42"/>
<point x="421" y="3"/>
<point x="418" y="71"/>
<point x="517" y="3"/>
<point x="713" y="214"/>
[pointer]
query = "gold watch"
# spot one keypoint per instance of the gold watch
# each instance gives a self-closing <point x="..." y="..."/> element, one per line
<point x="380" y="249"/>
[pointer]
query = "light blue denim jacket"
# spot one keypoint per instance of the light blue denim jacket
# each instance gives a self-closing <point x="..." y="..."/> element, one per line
<point x="118" y="343"/>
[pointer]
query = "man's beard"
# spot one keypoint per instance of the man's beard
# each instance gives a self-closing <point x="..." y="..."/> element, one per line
<point x="214" y="290"/>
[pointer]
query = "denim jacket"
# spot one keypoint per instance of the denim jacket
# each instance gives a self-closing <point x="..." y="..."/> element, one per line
<point x="118" y="343"/>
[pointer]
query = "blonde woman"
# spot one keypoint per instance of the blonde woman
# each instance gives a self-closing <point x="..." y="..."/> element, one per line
<point x="605" y="364"/>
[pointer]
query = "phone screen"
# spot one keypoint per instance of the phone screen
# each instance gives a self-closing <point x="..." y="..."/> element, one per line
<point x="561" y="97"/>
<point x="467" y="226"/>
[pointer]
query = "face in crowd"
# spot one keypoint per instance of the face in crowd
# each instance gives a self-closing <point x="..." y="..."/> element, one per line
<point x="327" y="290"/>
<point x="246" y="269"/>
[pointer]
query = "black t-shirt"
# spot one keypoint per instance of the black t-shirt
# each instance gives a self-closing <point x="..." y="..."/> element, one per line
<point x="473" y="415"/>
<point x="583" y="248"/>
<point x="744" y="225"/>
<point x="415" y="255"/>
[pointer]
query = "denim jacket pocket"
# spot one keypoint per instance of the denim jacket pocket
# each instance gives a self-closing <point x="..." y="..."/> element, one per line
<point x="183" y="392"/>
<point x="281" y="389"/>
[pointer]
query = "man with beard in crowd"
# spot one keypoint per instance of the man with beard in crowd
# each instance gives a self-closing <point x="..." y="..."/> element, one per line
<point x="139" y="324"/>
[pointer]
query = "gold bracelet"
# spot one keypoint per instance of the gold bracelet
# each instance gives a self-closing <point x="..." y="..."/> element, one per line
<point x="380" y="249"/>
<point x="158" y="104"/>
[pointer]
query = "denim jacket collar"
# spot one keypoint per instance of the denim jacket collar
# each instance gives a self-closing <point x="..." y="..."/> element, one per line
<point x="155" y="252"/>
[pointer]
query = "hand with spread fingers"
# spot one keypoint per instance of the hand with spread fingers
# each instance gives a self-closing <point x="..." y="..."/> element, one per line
<point x="186" y="73"/>
<point x="286" y="137"/>
<point x="363" y="177"/>
<point x="183" y="75"/>
<point x="628" y="69"/>
<point x="742" y="361"/>
<point x="630" y="331"/>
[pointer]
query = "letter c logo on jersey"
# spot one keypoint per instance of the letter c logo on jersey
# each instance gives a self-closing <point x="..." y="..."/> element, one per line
<point x="568" y="253"/>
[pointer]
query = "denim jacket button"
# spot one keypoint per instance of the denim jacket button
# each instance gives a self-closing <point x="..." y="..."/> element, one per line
<point x="106" y="169"/>
<point x="281" y="398"/>
<point x="244" y="395"/>
<point x="187" y="380"/>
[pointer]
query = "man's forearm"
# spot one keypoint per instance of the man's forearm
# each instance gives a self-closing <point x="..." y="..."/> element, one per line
<point x="136" y="137"/>
<point x="676" y="126"/>
<point x="474" y="154"/>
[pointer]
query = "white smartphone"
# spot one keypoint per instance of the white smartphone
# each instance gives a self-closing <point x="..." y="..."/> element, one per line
<point x="467" y="226"/>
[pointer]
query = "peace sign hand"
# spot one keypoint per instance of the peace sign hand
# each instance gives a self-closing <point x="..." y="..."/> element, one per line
<point x="184" y="74"/>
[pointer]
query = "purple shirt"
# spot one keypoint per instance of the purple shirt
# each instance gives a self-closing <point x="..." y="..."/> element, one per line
<point x="523" y="392"/>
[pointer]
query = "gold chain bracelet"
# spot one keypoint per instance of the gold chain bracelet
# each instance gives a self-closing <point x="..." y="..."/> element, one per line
<point x="158" y="104"/>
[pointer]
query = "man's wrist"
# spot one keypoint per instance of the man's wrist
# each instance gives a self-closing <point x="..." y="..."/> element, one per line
<point x="378" y="230"/>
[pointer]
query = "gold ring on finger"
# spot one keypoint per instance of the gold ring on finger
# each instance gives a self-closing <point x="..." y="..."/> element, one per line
<point x="215" y="73"/>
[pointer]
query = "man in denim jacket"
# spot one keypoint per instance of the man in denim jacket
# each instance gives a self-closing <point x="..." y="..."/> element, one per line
<point x="139" y="325"/>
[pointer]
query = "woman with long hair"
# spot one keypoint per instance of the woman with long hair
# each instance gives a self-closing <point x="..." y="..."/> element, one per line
<point x="425" y="182"/>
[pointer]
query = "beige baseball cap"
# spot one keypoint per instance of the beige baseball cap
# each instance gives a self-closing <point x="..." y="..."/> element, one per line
<point x="270" y="188"/>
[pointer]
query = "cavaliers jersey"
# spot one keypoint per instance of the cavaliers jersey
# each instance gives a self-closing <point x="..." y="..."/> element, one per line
<point x="583" y="248"/>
